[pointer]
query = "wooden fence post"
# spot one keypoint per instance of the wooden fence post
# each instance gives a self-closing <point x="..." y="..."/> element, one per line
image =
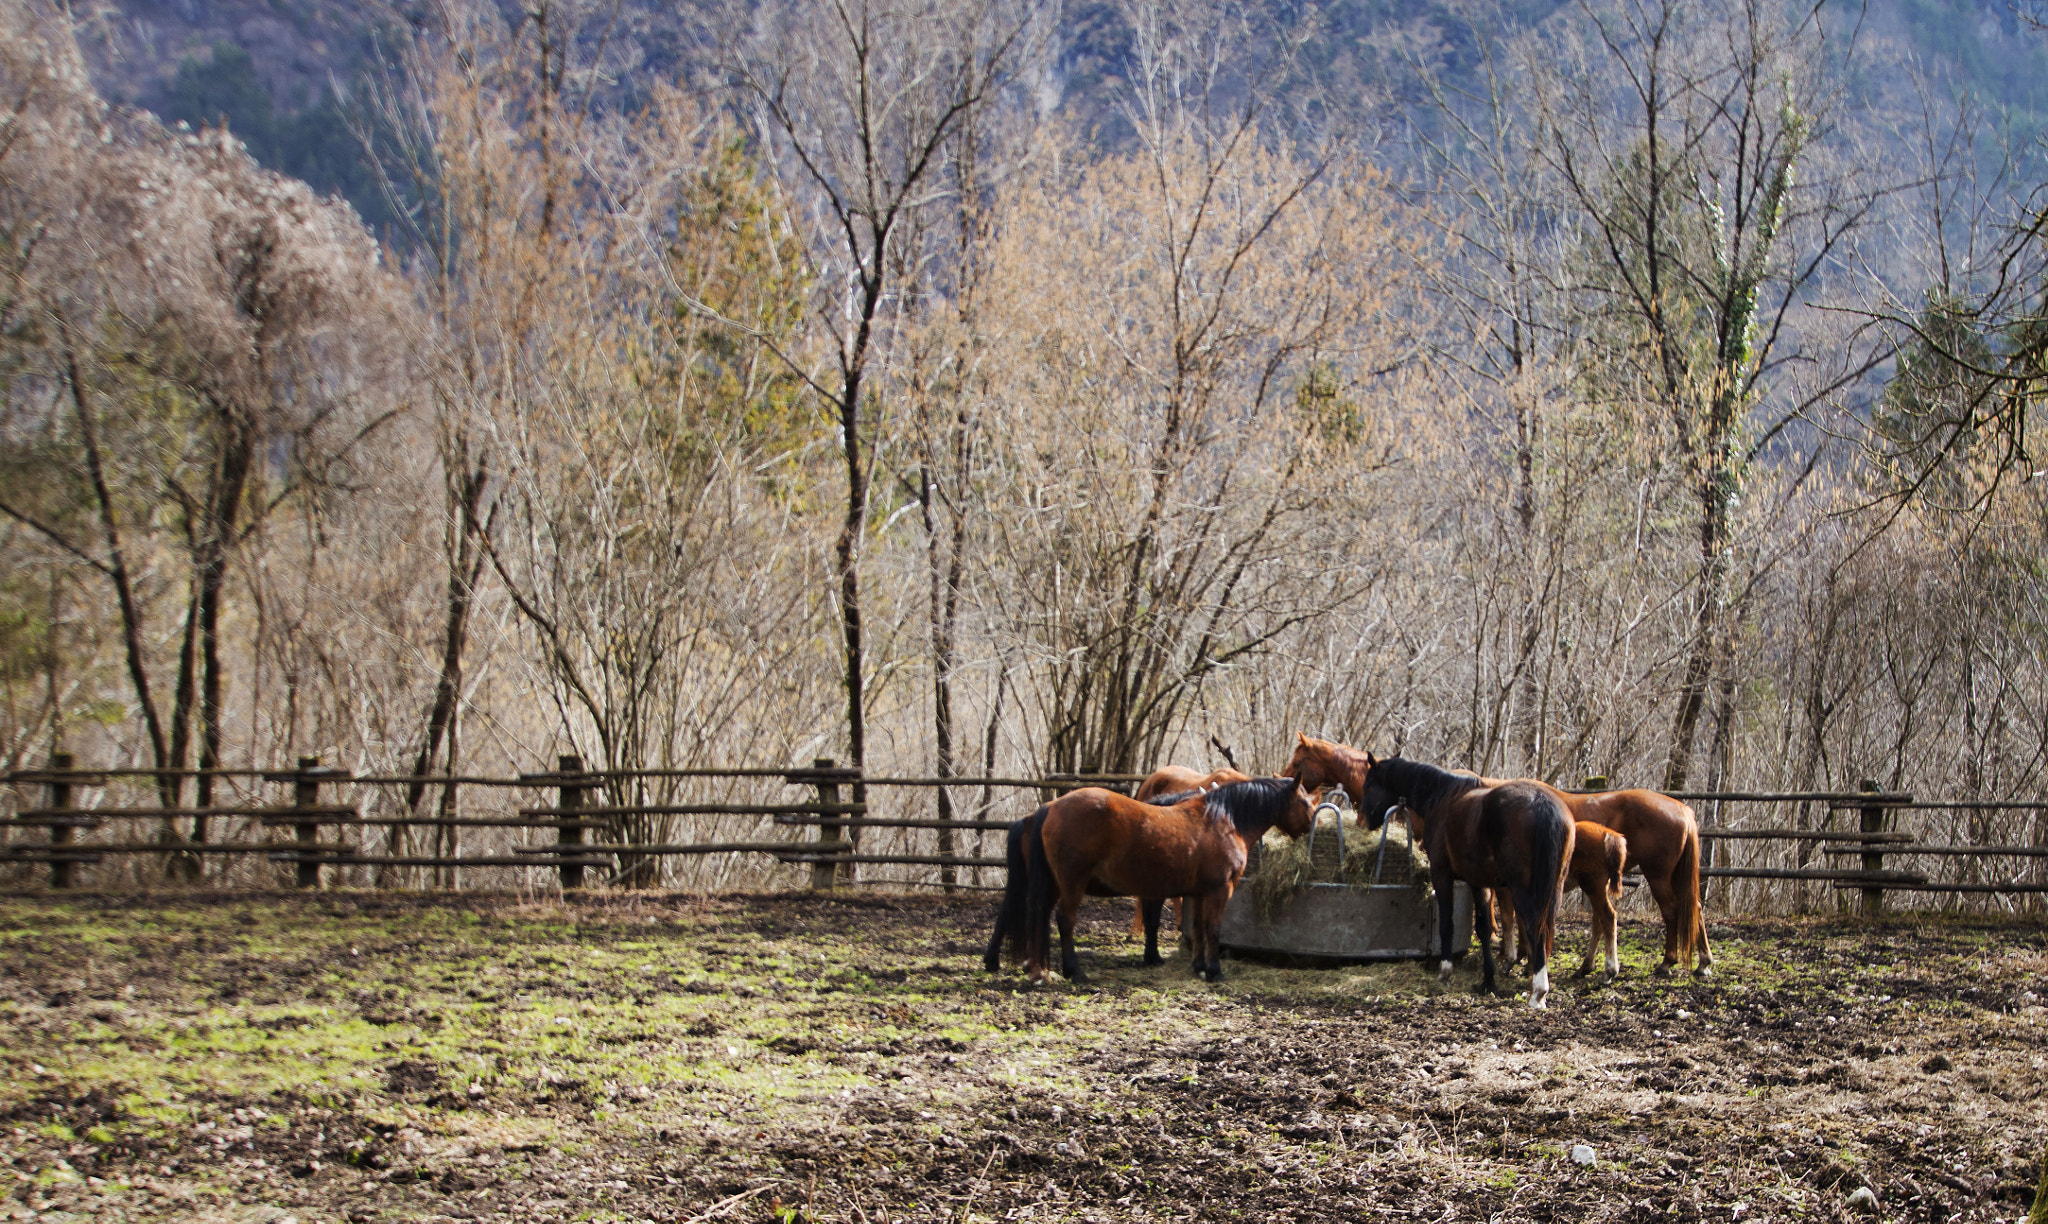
<point x="831" y="837"/>
<point x="1873" y="857"/>
<point x="572" y="798"/>
<point x="305" y="794"/>
<point x="60" y="832"/>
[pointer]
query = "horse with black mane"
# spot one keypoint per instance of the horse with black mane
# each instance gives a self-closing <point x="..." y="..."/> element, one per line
<point x="1663" y="837"/>
<point x="1164" y="787"/>
<point x="1514" y="836"/>
<point x="1097" y="842"/>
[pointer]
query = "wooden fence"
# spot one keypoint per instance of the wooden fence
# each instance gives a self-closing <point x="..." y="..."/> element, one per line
<point x="318" y="830"/>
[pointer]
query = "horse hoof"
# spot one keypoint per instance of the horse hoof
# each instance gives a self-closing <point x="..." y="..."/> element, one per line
<point x="1580" y="972"/>
<point x="1663" y="970"/>
<point x="1540" y="1002"/>
<point x="1154" y="960"/>
<point x="992" y="964"/>
<point x="1703" y="972"/>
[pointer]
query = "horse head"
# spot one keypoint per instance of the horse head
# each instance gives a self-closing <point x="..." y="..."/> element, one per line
<point x="1300" y="815"/>
<point x="1320" y="764"/>
<point x="1380" y="794"/>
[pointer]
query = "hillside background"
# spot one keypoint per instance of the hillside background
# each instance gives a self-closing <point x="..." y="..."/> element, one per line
<point x="282" y="73"/>
<point x="983" y="388"/>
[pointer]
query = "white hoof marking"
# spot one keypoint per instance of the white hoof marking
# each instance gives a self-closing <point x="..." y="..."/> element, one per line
<point x="1443" y="971"/>
<point x="1539" y="988"/>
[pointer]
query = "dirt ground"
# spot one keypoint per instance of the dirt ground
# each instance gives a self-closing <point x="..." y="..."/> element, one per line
<point x="357" y="1057"/>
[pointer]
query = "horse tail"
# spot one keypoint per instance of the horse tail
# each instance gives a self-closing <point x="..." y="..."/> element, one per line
<point x="1685" y="880"/>
<point x="1550" y="864"/>
<point x="1034" y="941"/>
<point x="1010" y="915"/>
<point x="1614" y="848"/>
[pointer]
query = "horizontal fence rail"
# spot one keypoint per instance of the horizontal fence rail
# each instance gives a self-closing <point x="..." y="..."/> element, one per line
<point x="589" y="823"/>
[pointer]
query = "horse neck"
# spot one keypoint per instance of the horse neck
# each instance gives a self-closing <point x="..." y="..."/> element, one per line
<point x="1351" y="768"/>
<point x="1250" y="825"/>
<point x="1426" y="787"/>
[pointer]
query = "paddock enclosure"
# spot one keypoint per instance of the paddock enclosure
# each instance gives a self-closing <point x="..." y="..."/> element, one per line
<point x="359" y="1056"/>
<point x="316" y="1000"/>
<point x="822" y="825"/>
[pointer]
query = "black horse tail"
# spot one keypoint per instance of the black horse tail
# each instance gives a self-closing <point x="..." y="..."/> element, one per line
<point x="1010" y="914"/>
<point x="1549" y="857"/>
<point x="1034" y="941"/>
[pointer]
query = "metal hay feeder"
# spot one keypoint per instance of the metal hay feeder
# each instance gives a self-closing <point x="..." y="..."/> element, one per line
<point x="1328" y="916"/>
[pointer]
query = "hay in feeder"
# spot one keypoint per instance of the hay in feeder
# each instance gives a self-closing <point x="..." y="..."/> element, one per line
<point x="1285" y="865"/>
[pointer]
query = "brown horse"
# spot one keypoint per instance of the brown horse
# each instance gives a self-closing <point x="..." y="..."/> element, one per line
<point x="1094" y="841"/>
<point x="1169" y="784"/>
<point x="1514" y="837"/>
<point x="1178" y="779"/>
<point x="1662" y="833"/>
<point x="1599" y="856"/>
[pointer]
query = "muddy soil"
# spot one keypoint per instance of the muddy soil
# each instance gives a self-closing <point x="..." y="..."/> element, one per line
<point x="360" y="1057"/>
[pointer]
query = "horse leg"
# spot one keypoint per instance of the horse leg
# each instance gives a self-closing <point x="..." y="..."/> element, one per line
<point x="1533" y="934"/>
<point x="1209" y="932"/>
<point x="1070" y="964"/>
<point x="1667" y="906"/>
<point x="1480" y="900"/>
<point x="1148" y="911"/>
<point x="1503" y="919"/>
<point x="992" y="960"/>
<point x="1482" y="916"/>
<point x="1613" y="944"/>
<point x="1602" y="911"/>
<point x="1138" y="924"/>
<point x="1699" y="943"/>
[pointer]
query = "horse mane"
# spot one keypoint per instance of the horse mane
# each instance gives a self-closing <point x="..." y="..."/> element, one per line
<point x="1423" y="786"/>
<point x="1253" y="806"/>
<point x="1175" y="797"/>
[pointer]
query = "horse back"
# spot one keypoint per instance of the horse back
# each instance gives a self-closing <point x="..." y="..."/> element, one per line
<point x="1118" y="846"/>
<point x="1526" y="825"/>
<point x="1166" y="780"/>
<point x="1657" y="826"/>
<point x="1171" y="779"/>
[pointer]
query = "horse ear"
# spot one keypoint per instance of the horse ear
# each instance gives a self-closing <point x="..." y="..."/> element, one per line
<point x="1303" y="737"/>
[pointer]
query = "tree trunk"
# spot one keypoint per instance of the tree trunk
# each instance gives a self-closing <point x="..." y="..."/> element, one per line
<point x="1716" y="490"/>
<point x="124" y="590"/>
<point x="465" y="566"/>
<point x="237" y="455"/>
<point x="848" y="554"/>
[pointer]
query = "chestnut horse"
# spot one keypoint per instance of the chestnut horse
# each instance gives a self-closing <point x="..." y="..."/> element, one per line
<point x="1169" y="784"/>
<point x="1599" y="856"/>
<point x="1095" y="841"/>
<point x="1515" y="837"/>
<point x="1662" y="833"/>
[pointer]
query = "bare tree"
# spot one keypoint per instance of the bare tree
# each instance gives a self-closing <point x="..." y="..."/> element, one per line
<point x="860" y="100"/>
<point x="1702" y="244"/>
